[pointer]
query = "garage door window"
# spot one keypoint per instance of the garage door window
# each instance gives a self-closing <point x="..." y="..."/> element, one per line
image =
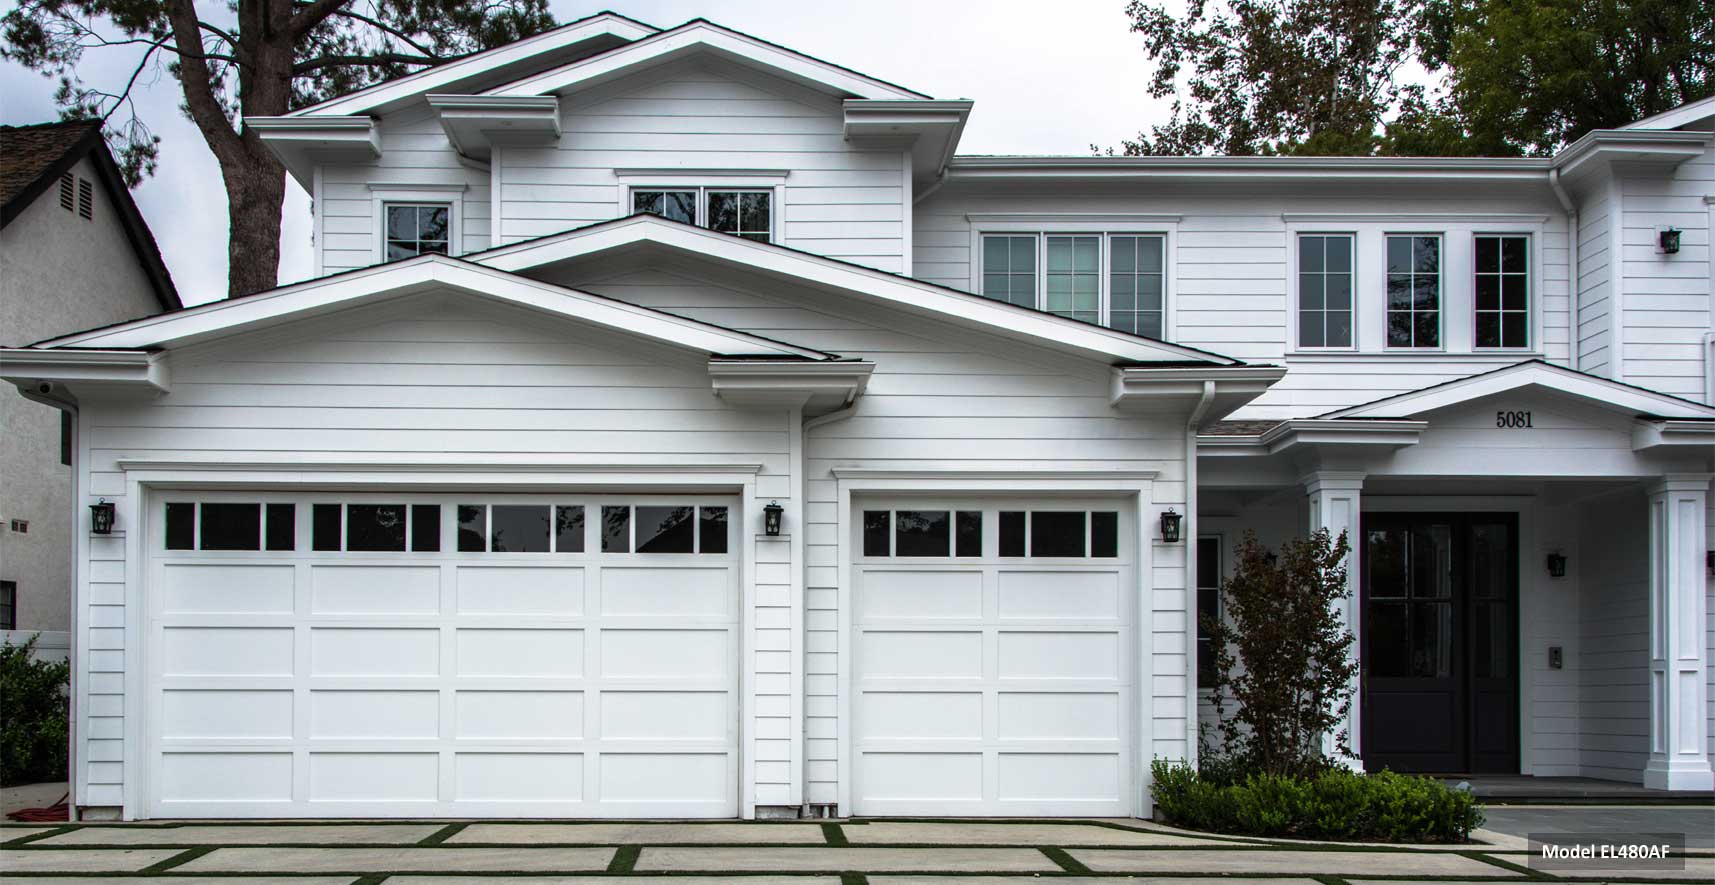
<point x="1075" y="534"/>
<point x="521" y="528"/>
<point x="230" y="526"/>
<point x="655" y="528"/>
<point x="375" y="528"/>
<point x="922" y="533"/>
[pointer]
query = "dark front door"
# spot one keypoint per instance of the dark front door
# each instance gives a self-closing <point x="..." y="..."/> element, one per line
<point x="1439" y="642"/>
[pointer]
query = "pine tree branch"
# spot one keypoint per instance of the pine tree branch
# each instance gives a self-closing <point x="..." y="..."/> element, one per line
<point x="369" y="60"/>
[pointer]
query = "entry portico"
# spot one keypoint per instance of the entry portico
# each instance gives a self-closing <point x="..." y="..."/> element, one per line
<point x="1478" y="654"/>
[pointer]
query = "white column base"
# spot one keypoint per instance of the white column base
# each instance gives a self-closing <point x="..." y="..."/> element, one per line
<point x="1675" y="775"/>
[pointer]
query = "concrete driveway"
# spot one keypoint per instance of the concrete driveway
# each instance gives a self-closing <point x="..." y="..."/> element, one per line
<point x="834" y="853"/>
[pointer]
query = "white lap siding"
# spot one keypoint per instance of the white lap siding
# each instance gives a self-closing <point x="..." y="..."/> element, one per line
<point x="439" y="380"/>
<point x="1666" y="310"/>
<point x="945" y="400"/>
<point x="715" y="122"/>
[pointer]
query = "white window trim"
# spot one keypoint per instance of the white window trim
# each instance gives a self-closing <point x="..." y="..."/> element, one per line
<point x="1292" y="238"/>
<point x="1458" y="280"/>
<point x="1532" y="276"/>
<point x="632" y="180"/>
<point x="380" y="195"/>
<point x="1105" y="226"/>
<point x="1441" y="299"/>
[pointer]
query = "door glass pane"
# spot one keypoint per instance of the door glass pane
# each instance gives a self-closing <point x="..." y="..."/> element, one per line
<point x="1057" y="533"/>
<point x="1431" y="639"/>
<point x="615" y="529"/>
<point x="1491" y="650"/>
<point x="518" y="528"/>
<point x="569" y="528"/>
<point x="324" y="526"/>
<point x="181" y="526"/>
<point x="1384" y="559"/>
<point x="666" y="529"/>
<point x="375" y="527"/>
<point x="1431" y="562"/>
<point x="921" y="533"/>
<point x="1104" y="534"/>
<point x="968" y="533"/>
<point x="1491" y="560"/>
<point x="426" y="527"/>
<point x="1012" y="533"/>
<point x="1389" y="651"/>
<point x="676" y="205"/>
<point x="473" y="528"/>
<point x="282" y="527"/>
<point x="231" y="527"/>
<point x="712" y="531"/>
<point x="876" y="533"/>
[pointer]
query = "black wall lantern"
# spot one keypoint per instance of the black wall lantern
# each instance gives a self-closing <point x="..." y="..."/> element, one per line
<point x="1670" y="241"/>
<point x="1170" y="526"/>
<point x="771" y="519"/>
<point x="101" y="517"/>
<point x="1557" y="565"/>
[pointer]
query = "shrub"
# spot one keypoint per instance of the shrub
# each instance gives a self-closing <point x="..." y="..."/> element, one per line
<point x="35" y="708"/>
<point x="1335" y="804"/>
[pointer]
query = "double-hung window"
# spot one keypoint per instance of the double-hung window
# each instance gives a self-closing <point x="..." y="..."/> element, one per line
<point x="1325" y="290"/>
<point x="745" y="213"/>
<point x="417" y="229"/>
<point x="1414" y="291"/>
<point x="1117" y="280"/>
<point x="1502" y="291"/>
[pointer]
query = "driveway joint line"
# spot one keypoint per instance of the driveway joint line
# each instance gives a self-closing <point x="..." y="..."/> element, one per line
<point x="182" y="857"/>
<point x="625" y="859"/>
<point x="32" y="837"/>
<point x="1066" y="861"/>
<point x="443" y="834"/>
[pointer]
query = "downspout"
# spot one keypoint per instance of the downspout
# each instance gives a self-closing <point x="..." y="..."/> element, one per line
<point x="1189" y="539"/>
<point x="1574" y="282"/>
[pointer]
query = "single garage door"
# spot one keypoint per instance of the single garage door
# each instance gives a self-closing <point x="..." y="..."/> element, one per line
<point x="467" y="655"/>
<point x="994" y="658"/>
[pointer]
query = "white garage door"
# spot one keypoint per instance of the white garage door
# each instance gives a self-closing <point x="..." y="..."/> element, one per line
<point x="994" y="658"/>
<point x="468" y="655"/>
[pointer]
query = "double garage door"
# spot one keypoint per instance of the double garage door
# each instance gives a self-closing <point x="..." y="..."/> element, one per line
<point x="995" y="656"/>
<point x="454" y="655"/>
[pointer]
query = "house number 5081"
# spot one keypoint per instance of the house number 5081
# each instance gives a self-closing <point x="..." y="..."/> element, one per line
<point x="1512" y="420"/>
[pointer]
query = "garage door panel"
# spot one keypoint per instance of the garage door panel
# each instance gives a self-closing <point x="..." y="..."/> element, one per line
<point x="375" y="651"/>
<point x="445" y="678"/>
<point x="391" y="590"/>
<point x="1032" y="654"/>
<point x="925" y="715"/>
<point x="920" y="595"/>
<point x="921" y="654"/>
<point x="1053" y="716"/>
<point x="520" y="590"/>
<point x="1059" y="595"/>
<point x="909" y="776"/>
<point x="1058" y="777"/>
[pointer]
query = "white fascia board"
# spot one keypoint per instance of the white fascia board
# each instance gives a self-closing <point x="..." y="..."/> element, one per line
<point x="81" y="370"/>
<point x="817" y="387"/>
<point x="1217" y="391"/>
<point x="303" y="142"/>
<point x="1601" y="391"/>
<point x="475" y="123"/>
<point x="1657" y="149"/>
<point x="706" y="36"/>
<point x="982" y="168"/>
<point x="1684" y="115"/>
<point x="447" y="76"/>
<point x="930" y="129"/>
<point x="894" y="290"/>
<point x="1650" y="434"/>
<point x="1386" y="433"/>
<point x="423" y="274"/>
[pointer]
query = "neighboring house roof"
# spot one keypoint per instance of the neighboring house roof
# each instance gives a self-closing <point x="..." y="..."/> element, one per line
<point x="898" y="292"/>
<point x="32" y="158"/>
<point x="1615" y="395"/>
<point x="1684" y="115"/>
<point x="352" y="288"/>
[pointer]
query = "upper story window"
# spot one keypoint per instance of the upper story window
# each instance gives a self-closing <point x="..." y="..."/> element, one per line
<point x="417" y="229"/>
<point x="1502" y="291"/>
<point x="1325" y="290"/>
<point x="1413" y="291"/>
<point x="1109" y="279"/>
<point x="743" y="213"/>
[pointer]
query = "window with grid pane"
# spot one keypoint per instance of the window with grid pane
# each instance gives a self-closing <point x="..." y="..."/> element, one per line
<point x="741" y="213"/>
<point x="674" y="205"/>
<point x="1135" y="287"/>
<point x="417" y="229"/>
<point x="1074" y="278"/>
<point x="1503" y="291"/>
<point x="1325" y="290"/>
<point x="1009" y="269"/>
<point x="1414" y="291"/>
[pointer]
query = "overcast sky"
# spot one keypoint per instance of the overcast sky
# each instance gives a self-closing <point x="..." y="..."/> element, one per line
<point x="1047" y="79"/>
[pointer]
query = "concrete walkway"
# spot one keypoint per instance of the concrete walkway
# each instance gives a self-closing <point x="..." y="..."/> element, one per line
<point x="801" y="853"/>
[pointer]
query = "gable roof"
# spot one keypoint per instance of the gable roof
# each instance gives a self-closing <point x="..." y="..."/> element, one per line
<point x="32" y="158"/>
<point x="572" y="41"/>
<point x="865" y="283"/>
<point x="1684" y="115"/>
<point x="420" y="274"/>
<point x="1605" y="392"/>
<point x="702" y="35"/>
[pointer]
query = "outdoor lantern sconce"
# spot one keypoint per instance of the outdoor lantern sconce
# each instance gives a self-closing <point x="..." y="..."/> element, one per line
<point x="101" y="516"/>
<point x="1670" y="241"/>
<point x="1557" y="565"/>
<point x="771" y="519"/>
<point x="1170" y="526"/>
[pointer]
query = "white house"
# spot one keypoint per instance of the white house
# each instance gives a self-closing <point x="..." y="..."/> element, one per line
<point x="480" y="522"/>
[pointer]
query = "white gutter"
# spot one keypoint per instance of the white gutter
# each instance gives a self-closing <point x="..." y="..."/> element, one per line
<point x="1189" y="539"/>
<point x="1575" y="345"/>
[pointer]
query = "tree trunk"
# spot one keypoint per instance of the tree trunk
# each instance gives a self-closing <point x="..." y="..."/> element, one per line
<point x="255" y="193"/>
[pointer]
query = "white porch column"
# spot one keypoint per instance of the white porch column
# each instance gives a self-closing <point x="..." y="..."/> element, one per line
<point x="1334" y="505"/>
<point x="1679" y="729"/>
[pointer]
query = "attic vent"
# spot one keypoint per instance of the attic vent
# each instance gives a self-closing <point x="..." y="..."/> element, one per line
<point x="85" y="198"/>
<point x="66" y="191"/>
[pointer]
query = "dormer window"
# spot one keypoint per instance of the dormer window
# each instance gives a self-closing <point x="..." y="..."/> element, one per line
<point x="417" y="229"/>
<point x="743" y="213"/>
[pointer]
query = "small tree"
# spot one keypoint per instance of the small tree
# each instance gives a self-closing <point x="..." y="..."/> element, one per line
<point x="35" y="735"/>
<point x="1282" y="654"/>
